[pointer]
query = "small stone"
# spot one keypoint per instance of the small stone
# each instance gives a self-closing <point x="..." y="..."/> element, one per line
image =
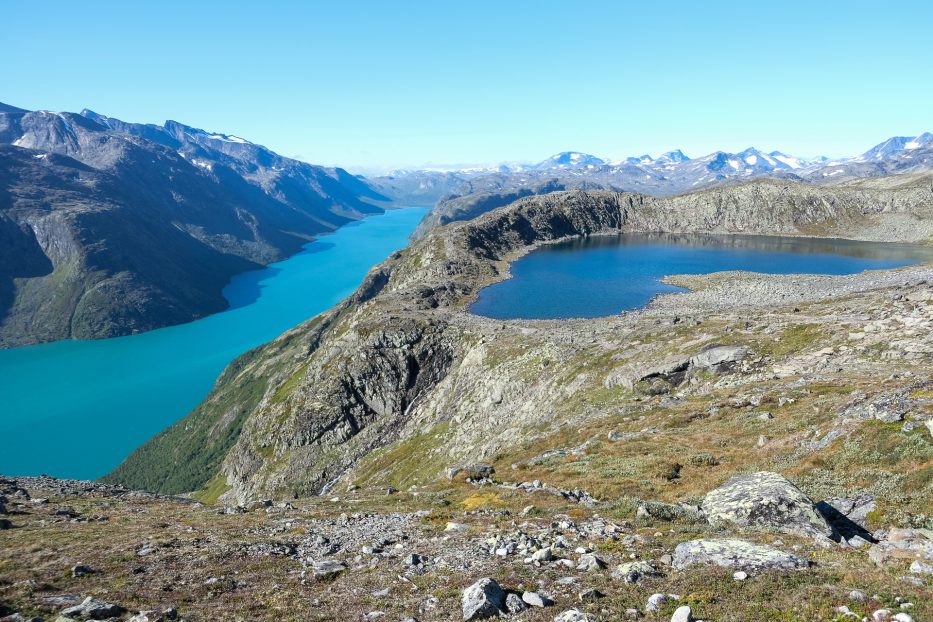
<point x="683" y="614"/>
<point x="858" y="596"/>
<point x="880" y="615"/>
<point x="514" y="603"/>
<point x="572" y="615"/>
<point x="536" y="600"/>
<point x="456" y="527"/>
<point x="903" y="617"/>
<point x="633" y="614"/>
<point x="740" y="575"/>
<point x="147" y="616"/>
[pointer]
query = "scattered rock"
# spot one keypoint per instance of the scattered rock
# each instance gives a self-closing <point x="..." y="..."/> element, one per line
<point x="572" y="615"/>
<point x="590" y="562"/>
<point x="739" y="575"/>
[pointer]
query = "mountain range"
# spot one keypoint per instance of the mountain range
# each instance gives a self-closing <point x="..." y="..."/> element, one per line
<point x="670" y="173"/>
<point x="109" y="227"/>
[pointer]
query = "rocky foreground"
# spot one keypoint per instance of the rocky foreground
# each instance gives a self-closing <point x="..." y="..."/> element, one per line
<point x="755" y="548"/>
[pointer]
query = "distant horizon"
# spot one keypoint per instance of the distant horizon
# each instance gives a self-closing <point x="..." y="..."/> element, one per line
<point x="455" y="167"/>
<point x="377" y="86"/>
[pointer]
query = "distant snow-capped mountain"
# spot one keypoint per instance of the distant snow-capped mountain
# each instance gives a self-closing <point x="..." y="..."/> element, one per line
<point x="570" y="159"/>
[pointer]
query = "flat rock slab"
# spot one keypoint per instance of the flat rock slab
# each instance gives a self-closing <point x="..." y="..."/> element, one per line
<point x="733" y="553"/>
<point x="765" y="500"/>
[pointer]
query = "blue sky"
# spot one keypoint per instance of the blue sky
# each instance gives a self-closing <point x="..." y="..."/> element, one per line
<point x="371" y="85"/>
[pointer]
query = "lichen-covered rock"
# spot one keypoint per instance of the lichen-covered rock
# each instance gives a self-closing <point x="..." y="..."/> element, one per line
<point x="765" y="500"/>
<point x="734" y="553"/>
<point x="483" y="599"/>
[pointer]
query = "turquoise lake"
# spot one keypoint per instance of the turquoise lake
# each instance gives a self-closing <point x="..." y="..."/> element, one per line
<point x="76" y="409"/>
<point x="604" y="275"/>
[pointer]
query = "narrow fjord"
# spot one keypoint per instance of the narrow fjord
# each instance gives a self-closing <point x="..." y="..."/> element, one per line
<point x="77" y="408"/>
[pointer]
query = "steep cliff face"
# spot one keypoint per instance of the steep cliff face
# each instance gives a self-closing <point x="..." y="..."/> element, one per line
<point x="400" y="380"/>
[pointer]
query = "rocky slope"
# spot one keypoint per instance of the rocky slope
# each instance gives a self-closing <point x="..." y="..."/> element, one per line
<point x="111" y="227"/>
<point x="403" y="367"/>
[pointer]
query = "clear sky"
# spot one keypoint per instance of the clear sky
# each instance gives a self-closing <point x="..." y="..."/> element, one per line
<point x="383" y="84"/>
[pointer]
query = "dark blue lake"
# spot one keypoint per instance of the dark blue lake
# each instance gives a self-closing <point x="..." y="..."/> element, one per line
<point x="604" y="275"/>
<point x="78" y="408"/>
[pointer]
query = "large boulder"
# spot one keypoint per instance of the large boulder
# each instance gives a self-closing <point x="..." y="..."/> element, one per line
<point x="718" y="357"/>
<point x="736" y="554"/>
<point x="483" y="599"/>
<point x="765" y="500"/>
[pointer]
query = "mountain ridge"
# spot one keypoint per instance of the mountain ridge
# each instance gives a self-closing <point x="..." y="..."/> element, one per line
<point x="142" y="226"/>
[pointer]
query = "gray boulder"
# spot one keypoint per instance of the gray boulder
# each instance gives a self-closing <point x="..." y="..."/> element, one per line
<point x="718" y="357"/>
<point x="733" y="553"/>
<point x="765" y="500"/>
<point x="93" y="609"/>
<point x="483" y="599"/>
